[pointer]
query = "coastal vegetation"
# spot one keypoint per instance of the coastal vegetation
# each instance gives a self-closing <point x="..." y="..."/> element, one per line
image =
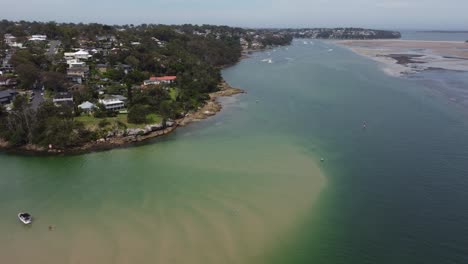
<point x="95" y="62"/>
<point x="68" y="84"/>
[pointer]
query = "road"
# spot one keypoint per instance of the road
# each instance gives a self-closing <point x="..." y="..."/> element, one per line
<point x="37" y="99"/>
<point x="54" y="44"/>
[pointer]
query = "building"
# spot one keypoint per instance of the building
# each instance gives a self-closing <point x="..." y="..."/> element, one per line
<point x="112" y="104"/>
<point x="87" y="106"/>
<point x="9" y="39"/>
<point x="78" y="74"/>
<point x="74" y="63"/>
<point x="160" y="80"/>
<point x="63" y="98"/>
<point x="76" y="88"/>
<point x="102" y="68"/>
<point x="7" y="81"/>
<point x="38" y="38"/>
<point x="6" y="96"/>
<point x="82" y="55"/>
<point x="79" y="55"/>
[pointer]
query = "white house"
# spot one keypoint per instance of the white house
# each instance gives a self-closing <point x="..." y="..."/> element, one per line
<point x="82" y="54"/>
<point x="112" y="104"/>
<point x="87" y="106"/>
<point x="79" y="55"/>
<point x="160" y="80"/>
<point x="74" y="63"/>
<point x="38" y="38"/>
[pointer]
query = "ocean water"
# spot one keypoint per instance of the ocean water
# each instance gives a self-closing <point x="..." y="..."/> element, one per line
<point x="248" y="186"/>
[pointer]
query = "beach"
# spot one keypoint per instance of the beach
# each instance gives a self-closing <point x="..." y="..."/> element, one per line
<point x="403" y="57"/>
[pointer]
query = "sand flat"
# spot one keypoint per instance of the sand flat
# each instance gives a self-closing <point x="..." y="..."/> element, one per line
<point x="443" y="55"/>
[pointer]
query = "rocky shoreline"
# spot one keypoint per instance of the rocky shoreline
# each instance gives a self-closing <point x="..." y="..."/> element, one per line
<point x="119" y="139"/>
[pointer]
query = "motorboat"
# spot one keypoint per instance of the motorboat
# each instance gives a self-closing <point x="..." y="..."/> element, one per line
<point x="25" y="218"/>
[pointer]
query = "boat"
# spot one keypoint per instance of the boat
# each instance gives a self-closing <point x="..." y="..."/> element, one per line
<point x="25" y="218"/>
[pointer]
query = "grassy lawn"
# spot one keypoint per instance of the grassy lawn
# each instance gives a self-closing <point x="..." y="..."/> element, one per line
<point x="93" y="123"/>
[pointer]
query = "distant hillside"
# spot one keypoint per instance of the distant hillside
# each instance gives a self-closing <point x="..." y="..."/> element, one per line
<point x="341" y="33"/>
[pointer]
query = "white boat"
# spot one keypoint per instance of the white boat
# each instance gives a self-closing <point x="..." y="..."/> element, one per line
<point x="270" y="61"/>
<point x="25" y="218"/>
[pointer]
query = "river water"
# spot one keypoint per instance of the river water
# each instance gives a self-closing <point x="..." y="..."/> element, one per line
<point x="248" y="186"/>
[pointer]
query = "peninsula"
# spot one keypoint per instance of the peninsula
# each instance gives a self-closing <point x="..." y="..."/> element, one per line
<point x="67" y="88"/>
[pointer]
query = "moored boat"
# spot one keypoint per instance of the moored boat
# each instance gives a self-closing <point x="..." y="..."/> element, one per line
<point x="25" y="218"/>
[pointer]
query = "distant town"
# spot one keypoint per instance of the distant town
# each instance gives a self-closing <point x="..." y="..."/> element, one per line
<point x="64" y="85"/>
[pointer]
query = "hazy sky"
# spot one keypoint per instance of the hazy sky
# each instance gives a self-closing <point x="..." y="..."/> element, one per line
<point x="388" y="14"/>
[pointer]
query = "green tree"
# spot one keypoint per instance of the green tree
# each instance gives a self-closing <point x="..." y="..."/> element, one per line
<point x="54" y="81"/>
<point x="137" y="114"/>
<point x="28" y="74"/>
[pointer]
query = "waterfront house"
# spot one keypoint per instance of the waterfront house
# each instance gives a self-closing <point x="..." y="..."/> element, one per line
<point x="116" y="97"/>
<point x="160" y="80"/>
<point x="112" y="104"/>
<point x="6" y="96"/>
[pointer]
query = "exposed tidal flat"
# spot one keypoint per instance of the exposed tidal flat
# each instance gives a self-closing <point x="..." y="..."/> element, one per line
<point x="247" y="185"/>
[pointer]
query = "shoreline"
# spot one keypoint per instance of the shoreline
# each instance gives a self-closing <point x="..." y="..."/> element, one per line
<point x="406" y="57"/>
<point x="212" y="107"/>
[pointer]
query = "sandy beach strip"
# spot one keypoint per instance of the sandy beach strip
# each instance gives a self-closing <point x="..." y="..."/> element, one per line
<point x="401" y="57"/>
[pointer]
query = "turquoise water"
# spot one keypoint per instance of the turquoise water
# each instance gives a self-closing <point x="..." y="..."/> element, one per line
<point x="247" y="186"/>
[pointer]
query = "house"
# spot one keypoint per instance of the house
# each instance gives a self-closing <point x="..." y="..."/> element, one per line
<point x="9" y="39"/>
<point x="62" y="97"/>
<point x="79" y="55"/>
<point x="78" y="74"/>
<point x="82" y="55"/>
<point x="102" y="68"/>
<point x="87" y="106"/>
<point x="7" y="81"/>
<point x="116" y="97"/>
<point x="160" y="80"/>
<point x="76" y="88"/>
<point x="6" y="96"/>
<point x="112" y="104"/>
<point x="38" y="38"/>
<point x="74" y="63"/>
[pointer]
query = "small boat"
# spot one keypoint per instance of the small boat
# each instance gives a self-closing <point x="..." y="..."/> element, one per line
<point x="322" y="159"/>
<point x="25" y="218"/>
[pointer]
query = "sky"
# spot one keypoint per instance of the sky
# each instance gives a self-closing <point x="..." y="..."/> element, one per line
<point x="384" y="14"/>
